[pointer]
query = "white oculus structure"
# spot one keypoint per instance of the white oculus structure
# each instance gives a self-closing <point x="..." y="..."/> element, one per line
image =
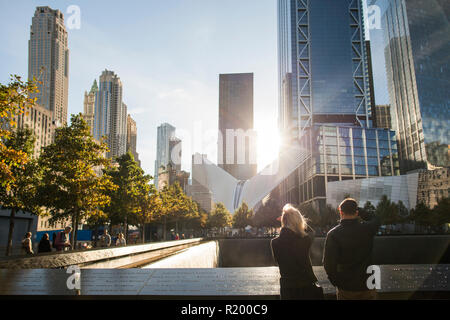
<point x="232" y="192"/>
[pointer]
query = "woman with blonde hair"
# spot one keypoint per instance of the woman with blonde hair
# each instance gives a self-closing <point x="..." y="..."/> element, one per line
<point x="291" y="252"/>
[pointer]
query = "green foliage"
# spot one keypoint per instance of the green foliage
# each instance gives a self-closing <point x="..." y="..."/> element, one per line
<point x="387" y="211"/>
<point x="220" y="217"/>
<point x="267" y="214"/>
<point x="15" y="97"/>
<point x="72" y="186"/>
<point x="442" y="211"/>
<point x="242" y="217"/>
<point x="422" y="215"/>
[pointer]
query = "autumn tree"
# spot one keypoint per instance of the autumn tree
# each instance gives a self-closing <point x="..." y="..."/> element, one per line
<point x="387" y="211"/>
<point x="220" y="217"/>
<point x="242" y="217"/>
<point x="72" y="184"/>
<point x="15" y="98"/>
<point x="20" y="194"/>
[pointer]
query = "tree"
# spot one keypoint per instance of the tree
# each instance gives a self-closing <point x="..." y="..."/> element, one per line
<point x="72" y="186"/>
<point x="220" y="217"/>
<point x="387" y="211"/>
<point x="267" y="214"/>
<point x="126" y="201"/>
<point x="442" y="212"/>
<point x="421" y="215"/>
<point x="148" y="202"/>
<point x="242" y="217"/>
<point x="20" y="193"/>
<point x="14" y="99"/>
<point x="328" y="216"/>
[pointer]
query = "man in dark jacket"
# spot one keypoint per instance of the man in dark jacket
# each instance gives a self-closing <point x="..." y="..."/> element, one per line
<point x="348" y="253"/>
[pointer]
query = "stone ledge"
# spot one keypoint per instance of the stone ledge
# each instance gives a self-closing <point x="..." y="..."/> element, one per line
<point x="397" y="282"/>
<point x="64" y="259"/>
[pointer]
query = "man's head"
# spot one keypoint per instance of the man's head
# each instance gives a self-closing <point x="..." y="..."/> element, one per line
<point x="105" y="231"/>
<point x="348" y="209"/>
<point x="68" y="229"/>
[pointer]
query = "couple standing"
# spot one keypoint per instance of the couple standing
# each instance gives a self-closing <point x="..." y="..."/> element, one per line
<point x="347" y="254"/>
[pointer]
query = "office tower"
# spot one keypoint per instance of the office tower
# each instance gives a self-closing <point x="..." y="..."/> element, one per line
<point x="48" y="61"/>
<point x="40" y="121"/>
<point x="325" y="98"/>
<point x="132" y="138"/>
<point x="382" y="116"/>
<point x="417" y="47"/>
<point x="237" y="140"/>
<point x="321" y="52"/>
<point x="164" y="148"/>
<point x="111" y="114"/>
<point x="199" y="193"/>
<point x="89" y="106"/>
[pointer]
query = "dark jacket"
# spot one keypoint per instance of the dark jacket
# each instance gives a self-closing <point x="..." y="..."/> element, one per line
<point x="291" y="252"/>
<point x="44" y="246"/>
<point x="348" y="253"/>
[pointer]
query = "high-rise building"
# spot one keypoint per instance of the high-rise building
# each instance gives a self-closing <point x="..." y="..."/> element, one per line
<point x="382" y="116"/>
<point x="89" y="106"/>
<point x="417" y="47"/>
<point x="48" y="61"/>
<point x="325" y="98"/>
<point x="132" y="138"/>
<point x="322" y="65"/>
<point x="199" y="193"/>
<point x="40" y="121"/>
<point x="111" y="114"/>
<point x="164" y="148"/>
<point x="237" y="140"/>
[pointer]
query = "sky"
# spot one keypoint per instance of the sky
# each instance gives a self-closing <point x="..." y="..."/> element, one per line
<point x="169" y="55"/>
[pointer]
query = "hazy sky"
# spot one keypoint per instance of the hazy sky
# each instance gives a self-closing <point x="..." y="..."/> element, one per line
<point x="169" y="55"/>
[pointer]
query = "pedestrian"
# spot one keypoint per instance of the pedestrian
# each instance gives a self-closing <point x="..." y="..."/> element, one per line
<point x="27" y="245"/>
<point x="177" y="237"/>
<point x="291" y="252"/>
<point x="348" y="252"/>
<point x="44" y="244"/>
<point x="183" y="236"/>
<point x="121" y="240"/>
<point x="105" y="240"/>
<point x="62" y="240"/>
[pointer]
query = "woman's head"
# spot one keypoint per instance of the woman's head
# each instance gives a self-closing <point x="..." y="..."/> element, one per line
<point x="292" y="219"/>
<point x="45" y="236"/>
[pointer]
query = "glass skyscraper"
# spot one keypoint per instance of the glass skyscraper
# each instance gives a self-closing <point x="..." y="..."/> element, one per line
<point x="165" y="143"/>
<point x="322" y="65"/>
<point x="416" y="42"/>
<point x="111" y="114"/>
<point x="325" y="98"/>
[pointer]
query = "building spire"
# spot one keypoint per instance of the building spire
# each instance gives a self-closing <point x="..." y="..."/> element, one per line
<point x="94" y="87"/>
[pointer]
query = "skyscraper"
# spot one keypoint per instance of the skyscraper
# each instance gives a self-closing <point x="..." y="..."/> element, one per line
<point x="89" y="106"/>
<point x="325" y="98"/>
<point x="111" y="114"/>
<point x="132" y="138"/>
<point x="164" y="147"/>
<point x="237" y="145"/>
<point x="48" y="61"/>
<point x="417" y="47"/>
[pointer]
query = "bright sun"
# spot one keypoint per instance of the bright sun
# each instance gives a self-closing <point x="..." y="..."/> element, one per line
<point x="268" y="146"/>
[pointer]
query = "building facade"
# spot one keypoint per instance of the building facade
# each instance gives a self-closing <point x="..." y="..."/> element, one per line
<point x="40" y="121"/>
<point x="110" y="119"/>
<point x="89" y="106"/>
<point x="199" y="193"/>
<point x="132" y="139"/>
<point x="237" y="140"/>
<point x="417" y="47"/>
<point x="434" y="185"/>
<point x="168" y="175"/>
<point x="48" y="61"/>
<point x="164" y="147"/>
<point x="382" y="116"/>
<point x="326" y="99"/>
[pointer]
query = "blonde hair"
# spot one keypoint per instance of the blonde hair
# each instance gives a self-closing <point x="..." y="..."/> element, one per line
<point x="293" y="220"/>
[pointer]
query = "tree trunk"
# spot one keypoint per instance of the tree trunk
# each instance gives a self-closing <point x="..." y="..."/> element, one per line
<point x="75" y="232"/>
<point x="72" y="241"/>
<point x="164" y="228"/>
<point x="143" y="233"/>
<point x="11" y="231"/>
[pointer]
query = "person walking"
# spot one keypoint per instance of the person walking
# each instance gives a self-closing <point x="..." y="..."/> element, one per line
<point x="62" y="240"/>
<point x="348" y="252"/>
<point x="291" y="252"/>
<point x="105" y="240"/>
<point x="121" y="240"/>
<point x="27" y="245"/>
<point x="44" y="244"/>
